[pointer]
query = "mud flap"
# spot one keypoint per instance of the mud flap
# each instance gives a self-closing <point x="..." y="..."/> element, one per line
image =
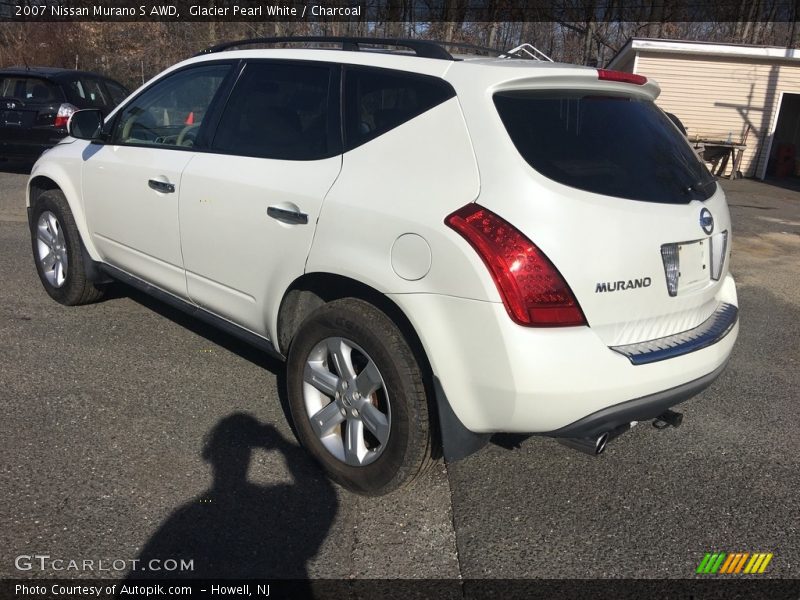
<point x="458" y="442"/>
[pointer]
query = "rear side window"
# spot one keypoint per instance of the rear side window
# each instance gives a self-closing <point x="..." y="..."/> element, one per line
<point x="89" y="92"/>
<point x="118" y="93"/>
<point x="30" y="90"/>
<point x="281" y="112"/>
<point x="378" y="100"/>
<point x="612" y="145"/>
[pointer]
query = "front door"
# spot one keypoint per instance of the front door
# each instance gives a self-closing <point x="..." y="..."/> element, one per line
<point x="131" y="185"/>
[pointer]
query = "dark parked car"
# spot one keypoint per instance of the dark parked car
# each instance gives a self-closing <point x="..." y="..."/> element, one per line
<point x="36" y="103"/>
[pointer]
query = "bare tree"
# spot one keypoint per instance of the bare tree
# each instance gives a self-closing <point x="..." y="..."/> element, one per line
<point x="577" y="31"/>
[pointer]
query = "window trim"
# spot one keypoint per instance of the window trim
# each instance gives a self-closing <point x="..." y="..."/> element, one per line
<point x="335" y="90"/>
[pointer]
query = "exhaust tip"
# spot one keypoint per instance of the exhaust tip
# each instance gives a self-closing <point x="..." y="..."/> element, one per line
<point x="593" y="446"/>
<point x="600" y="443"/>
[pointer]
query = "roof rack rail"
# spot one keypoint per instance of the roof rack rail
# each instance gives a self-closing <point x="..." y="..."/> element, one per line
<point x="464" y="46"/>
<point x="422" y="48"/>
<point x="528" y="51"/>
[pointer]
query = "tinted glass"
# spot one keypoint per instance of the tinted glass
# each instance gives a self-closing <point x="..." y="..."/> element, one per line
<point x="118" y="93"/>
<point x="378" y="100"/>
<point x="88" y="92"/>
<point x="611" y="145"/>
<point x="171" y="112"/>
<point x="278" y="111"/>
<point x="31" y="90"/>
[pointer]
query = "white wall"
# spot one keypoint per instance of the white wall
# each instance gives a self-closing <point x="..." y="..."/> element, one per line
<point x="716" y="96"/>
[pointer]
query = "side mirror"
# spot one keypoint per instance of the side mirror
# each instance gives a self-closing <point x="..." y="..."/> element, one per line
<point x="85" y="124"/>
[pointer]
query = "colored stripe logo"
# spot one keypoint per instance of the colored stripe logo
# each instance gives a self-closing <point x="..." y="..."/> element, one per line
<point x="734" y="563"/>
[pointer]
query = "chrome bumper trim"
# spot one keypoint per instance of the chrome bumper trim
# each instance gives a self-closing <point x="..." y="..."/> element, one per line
<point x="712" y="330"/>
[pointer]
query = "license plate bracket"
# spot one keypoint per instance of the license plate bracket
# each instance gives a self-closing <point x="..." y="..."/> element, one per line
<point x="695" y="265"/>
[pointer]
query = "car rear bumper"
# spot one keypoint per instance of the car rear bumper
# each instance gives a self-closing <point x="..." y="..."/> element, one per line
<point x="501" y="377"/>
<point x="639" y="409"/>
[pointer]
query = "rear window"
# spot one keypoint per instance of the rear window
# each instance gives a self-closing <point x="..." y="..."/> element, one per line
<point x="612" y="145"/>
<point x="31" y="90"/>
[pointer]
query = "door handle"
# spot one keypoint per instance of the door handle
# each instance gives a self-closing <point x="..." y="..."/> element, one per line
<point x="161" y="186"/>
<point x="288" y="213"/>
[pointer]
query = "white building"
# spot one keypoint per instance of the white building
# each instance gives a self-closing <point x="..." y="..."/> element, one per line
<point x="718" y="90"/>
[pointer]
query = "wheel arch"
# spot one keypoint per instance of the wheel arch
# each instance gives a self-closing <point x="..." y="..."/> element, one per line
<point x="312" y="290"/>
<point x="54" y="177"/>
<point x="38" y="185"/>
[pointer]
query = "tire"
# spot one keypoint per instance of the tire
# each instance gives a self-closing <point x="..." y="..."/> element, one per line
<point x="381" y="375"/>
<point x="58" y="252"/>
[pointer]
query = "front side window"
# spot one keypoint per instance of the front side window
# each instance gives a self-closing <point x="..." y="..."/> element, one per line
<point x="613" y="145"/>
<point x="171" y="112"/>
<point x="279" y="111"/>
<point x="378" y="100"/>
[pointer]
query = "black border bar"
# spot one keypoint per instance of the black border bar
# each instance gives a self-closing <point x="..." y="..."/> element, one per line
<point x="382" y="11"/>
<point x="730" y="588"/>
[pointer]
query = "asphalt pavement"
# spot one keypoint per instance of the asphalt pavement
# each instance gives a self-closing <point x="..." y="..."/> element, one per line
<point x="130" y="431"/>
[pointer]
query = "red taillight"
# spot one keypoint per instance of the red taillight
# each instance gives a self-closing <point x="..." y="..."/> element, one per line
<point x="606" y="75"/>
<point x="532" y="289"/>
<point x="62" y="116"/>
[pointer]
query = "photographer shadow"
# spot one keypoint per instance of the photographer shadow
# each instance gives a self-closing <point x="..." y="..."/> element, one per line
<point x="242" y="530"/>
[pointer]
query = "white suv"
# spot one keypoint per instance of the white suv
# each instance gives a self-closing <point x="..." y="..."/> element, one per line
<point x="440" y="248"/>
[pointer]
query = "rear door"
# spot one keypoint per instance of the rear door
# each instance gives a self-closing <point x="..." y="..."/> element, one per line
<point x="623" y="208"/>
<point x="249" y="207"/>
<point x="28" y="109"/>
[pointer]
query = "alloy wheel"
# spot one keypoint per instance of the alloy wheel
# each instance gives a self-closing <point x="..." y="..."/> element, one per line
<point x="51" y="249"/>
<point x="346" y="401"/>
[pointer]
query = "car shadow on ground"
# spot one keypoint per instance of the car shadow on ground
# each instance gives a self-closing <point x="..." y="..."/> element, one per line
<point x="117" y="290"/>
<point x="18" y="168"/>
<point x="214" y="335"/>
<point x="239" y="529"/>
